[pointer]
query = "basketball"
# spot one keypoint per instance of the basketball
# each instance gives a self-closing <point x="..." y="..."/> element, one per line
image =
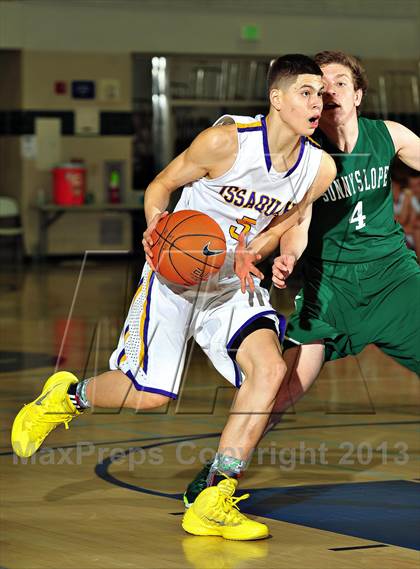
<point x="188" y="247"/>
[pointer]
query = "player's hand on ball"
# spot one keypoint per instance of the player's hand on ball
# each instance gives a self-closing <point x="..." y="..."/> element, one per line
<point x="282" y="268"/>
<point x="245" y="260"/>
<point x="147" y="240"/>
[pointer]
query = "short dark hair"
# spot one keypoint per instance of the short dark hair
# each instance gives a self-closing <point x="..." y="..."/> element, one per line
<point x="357" y="70"/>
<point x="290" y="66"/>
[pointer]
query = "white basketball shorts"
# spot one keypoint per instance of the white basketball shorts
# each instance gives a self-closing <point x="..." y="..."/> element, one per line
<point x="152" y="347"/>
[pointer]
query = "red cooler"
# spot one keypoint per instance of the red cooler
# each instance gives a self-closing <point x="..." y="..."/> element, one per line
<point x="69" y="184"/>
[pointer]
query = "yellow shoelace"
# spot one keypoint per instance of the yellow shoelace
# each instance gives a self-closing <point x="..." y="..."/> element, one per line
<point x="229" y="505"/>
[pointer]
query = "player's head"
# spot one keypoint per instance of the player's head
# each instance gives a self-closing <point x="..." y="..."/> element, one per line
<point x="345" y="84"/>
<point x="294" y="83"/>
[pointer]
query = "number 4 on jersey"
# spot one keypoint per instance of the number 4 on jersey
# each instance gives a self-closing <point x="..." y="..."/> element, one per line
<point x="357" y="216"/>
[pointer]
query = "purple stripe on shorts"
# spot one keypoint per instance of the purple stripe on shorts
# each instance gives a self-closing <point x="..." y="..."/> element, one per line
<point x="149" y="389"/>
<point x="282" y="326"/>
<point x="146" y="325"/>
<point x="155" y="390"/>
<point x="120" y="356"/>
<point x="130" y="375"/>
<point x="238" y="375"/>
<point x="245" y="324"/>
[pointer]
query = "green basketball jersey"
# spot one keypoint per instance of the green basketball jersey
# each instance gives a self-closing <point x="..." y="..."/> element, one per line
<point x="353" y="222"/>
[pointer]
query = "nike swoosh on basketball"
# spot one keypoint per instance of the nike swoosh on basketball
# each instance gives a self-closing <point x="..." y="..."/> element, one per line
<point x="209" y="252"/>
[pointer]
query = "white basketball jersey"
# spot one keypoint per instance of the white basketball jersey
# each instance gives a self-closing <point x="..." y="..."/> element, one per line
<point x="248" y="196"/>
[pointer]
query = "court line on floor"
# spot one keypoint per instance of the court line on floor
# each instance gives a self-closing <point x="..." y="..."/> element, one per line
<point x="358" y="547"/>
<point x="102" y="471"/>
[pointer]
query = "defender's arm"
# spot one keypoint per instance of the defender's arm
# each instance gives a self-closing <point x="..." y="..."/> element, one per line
<point x="297" y="219"/>
<point x="291" y="229"/>
<point x="407" y="144"/>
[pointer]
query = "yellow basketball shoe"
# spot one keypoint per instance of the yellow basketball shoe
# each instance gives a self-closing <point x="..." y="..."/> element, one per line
<point x="215" y="512"/>
<point x="37" y="419"/>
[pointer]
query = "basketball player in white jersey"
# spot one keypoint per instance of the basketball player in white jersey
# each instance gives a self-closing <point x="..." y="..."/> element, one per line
<point x="244" y="172"/>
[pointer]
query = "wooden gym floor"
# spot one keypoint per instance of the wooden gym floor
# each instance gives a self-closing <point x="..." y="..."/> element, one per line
<point x="337" y="481"/>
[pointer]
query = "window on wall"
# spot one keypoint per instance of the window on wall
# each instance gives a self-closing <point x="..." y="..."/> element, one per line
<point x="176" y="97"/>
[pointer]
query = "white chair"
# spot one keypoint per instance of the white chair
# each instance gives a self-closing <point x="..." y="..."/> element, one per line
<point x="10" y="224"/>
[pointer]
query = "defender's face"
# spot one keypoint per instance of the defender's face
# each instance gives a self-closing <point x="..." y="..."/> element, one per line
<point x="300" y="103"/>
<point x="340" y="98"/>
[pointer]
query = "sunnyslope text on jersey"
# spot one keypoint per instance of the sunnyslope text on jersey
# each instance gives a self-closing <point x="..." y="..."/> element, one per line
<point x="357" y="181"/>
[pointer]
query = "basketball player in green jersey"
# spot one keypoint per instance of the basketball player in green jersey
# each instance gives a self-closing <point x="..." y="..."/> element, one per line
<point x="361" y="283"/>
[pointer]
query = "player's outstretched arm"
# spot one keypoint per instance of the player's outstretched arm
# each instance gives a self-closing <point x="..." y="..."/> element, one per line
<point x="210" y="152"/>
<point x="292" y="244"/>
<point x="245" y="264"/>
<point x="407" y="144"/>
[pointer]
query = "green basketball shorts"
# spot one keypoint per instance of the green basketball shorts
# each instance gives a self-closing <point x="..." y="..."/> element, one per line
<point x="350" y="306"/>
